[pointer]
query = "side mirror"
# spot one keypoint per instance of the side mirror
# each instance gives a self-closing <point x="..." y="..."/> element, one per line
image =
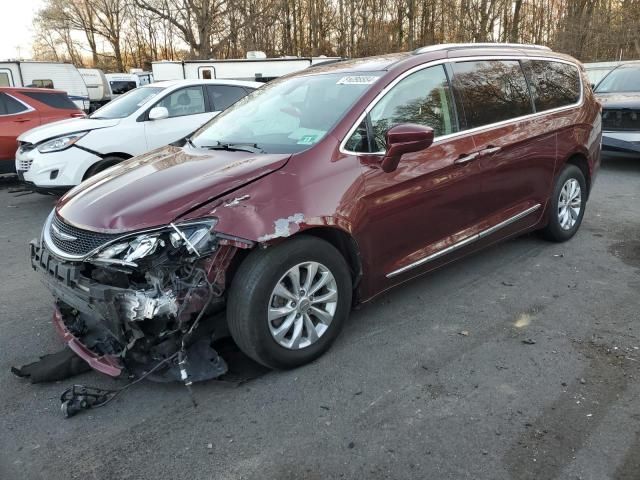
<point x="158" y="113"/>
<point x="404" y="138"/>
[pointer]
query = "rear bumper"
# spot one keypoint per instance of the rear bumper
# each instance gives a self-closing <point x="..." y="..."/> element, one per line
<point x="7" y="166"/>
<point x="621" y="144"/>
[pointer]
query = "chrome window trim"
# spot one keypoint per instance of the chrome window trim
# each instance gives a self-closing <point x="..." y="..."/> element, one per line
<point x="464" y="242"/>
<point x="461" y="133"/>
<point x="29" y="108"/>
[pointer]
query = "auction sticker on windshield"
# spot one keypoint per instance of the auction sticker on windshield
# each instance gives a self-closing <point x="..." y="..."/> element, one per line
<point x="356" y="80"/>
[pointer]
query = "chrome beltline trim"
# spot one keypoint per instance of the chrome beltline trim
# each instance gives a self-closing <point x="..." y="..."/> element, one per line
<point x="466" y="241"/>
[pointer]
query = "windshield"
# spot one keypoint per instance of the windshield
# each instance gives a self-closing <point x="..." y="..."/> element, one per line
<point x="288" y="115"/>
<point x="622" y="79"/>
<point x="128" y="103"/>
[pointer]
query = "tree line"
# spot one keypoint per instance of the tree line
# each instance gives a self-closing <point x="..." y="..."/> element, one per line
<point x="118" y="34"/>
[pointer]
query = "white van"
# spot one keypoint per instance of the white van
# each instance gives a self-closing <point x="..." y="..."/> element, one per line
<point x="97" y="86"/>
<point x="120" y="83"/>
<point x="59" y="155"/>
<point x="56" y="75"/>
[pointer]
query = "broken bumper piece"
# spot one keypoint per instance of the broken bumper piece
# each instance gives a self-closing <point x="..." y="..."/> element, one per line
<point x="125" y="321"/>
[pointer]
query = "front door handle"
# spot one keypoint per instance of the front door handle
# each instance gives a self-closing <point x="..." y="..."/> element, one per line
<point x="466" y="158"/>
<point x="469" y="157"/>
<point x="21" y="120"/>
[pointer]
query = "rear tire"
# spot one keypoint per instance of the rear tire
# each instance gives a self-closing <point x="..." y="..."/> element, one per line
<point x="567" y="205"/>
<point x="277" y="326"/>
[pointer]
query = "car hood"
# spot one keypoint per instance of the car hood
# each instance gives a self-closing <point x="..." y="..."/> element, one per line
<point x="619" y="100"/>
<point x="159" y="187"/>
<point x="64" y="127"/>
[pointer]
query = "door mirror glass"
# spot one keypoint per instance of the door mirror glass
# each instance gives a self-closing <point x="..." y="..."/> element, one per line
<point x="404" y="138"/>
<point x="158" y="113"/>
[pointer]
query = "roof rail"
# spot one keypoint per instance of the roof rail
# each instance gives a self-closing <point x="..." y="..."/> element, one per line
<point x="451" y="46"/>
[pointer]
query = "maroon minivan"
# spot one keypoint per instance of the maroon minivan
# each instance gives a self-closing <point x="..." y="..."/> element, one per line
<point x="314" y="193"/>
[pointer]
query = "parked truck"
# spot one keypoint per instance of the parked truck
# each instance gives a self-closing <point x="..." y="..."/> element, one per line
<point x="56" y="75"/>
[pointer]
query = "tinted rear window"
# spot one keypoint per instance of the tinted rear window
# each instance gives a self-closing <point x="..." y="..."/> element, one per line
<point x="553" y="84"/>
<point x="54" y="100"/>
<point x="10" y="106"/>
<point x="223" y="96"/>
<point x="491" y="91"/>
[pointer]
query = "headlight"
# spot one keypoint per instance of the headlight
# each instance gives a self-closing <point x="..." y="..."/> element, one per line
<point x="191" y="238"/>
<point x="60" y="143"/>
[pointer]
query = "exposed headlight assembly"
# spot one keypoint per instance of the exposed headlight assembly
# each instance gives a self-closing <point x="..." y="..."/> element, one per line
<point x="60" y="143"/>
<point x="195" y="237"/>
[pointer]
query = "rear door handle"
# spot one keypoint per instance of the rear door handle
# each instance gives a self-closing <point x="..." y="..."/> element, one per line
<point x="489" y="150"/>
<point x="21" y="120"/>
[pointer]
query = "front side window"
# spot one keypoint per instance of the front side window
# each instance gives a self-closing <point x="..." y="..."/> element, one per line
<point x="11" y="106"/>
<point x="623" y="79"/>
<point x="553" y="84"/>
<point x="186" y="101"/>
<point x="491" y="91"/>
<point x="287" y="115"/>
<point x="43" y="83"/>
<point x="128" y="103"/>
<point x="423" y="98"/>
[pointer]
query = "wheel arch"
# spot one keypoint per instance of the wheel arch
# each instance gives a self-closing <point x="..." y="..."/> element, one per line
<point x="103" y="158"/>
<point x="337" y="237"/>
<point x="579" y="159"/>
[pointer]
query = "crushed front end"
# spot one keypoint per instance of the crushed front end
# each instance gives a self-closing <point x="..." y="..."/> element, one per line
<point x="127" y="303"/>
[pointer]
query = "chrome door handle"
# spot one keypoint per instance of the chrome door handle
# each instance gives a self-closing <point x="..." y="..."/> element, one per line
<point x="466" y="158"/>
<point x="490" y="150"/>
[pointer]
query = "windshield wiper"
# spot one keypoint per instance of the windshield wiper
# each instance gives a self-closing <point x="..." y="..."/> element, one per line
<point x="235" y="147"/>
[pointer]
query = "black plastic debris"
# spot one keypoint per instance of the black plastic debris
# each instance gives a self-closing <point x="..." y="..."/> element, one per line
<point x="53" y="367"/>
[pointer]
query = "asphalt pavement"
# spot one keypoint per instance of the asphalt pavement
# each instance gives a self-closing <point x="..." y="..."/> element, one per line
<point x="519" y="362"/>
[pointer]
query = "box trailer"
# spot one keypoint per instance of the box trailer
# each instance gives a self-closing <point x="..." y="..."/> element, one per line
<point x="57" y="75"/>
<point x="253" y="69"/>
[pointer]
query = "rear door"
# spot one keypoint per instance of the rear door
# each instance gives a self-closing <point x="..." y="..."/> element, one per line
<point x="16" y="117"/>
<point x="514" y="152"/>
<point x="187" y="112"/>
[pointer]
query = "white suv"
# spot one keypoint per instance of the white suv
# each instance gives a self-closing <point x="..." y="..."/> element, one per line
<point x="57" y="156"/>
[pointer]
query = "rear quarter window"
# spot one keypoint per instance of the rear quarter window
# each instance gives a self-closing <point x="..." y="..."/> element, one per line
<point x="553" y="84"/>
<point x="53" y="100"/>
<point x="490" y="91"/>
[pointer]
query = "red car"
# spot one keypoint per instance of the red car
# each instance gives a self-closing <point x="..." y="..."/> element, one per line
<point x="22" y="109"/>
<point x="316" y="192"/>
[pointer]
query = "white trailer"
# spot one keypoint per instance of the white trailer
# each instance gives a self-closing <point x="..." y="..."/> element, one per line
<point x="253" y="69"/>
<point x="97" y="85"/>
<point x="61" y="76"/>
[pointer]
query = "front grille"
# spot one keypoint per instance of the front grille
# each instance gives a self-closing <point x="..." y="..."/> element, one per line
<point x="24" y="164"/>
<point x="621" y="120"/>
<point x="84" y="241"/>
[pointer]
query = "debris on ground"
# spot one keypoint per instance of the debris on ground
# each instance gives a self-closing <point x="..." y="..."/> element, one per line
<point x="53" y="367"/>
<point x="464" y="333"/>
<point x="529" y="341"/>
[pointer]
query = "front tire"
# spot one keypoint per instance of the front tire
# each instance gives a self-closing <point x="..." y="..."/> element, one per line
<point x="567" y="205"/>
<point x="287" y="304"/>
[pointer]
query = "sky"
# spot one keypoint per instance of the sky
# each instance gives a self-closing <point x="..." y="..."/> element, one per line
<point x="16" y="27"/>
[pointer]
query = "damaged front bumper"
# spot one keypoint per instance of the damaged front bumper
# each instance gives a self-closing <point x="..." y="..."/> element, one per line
<point x="125" y="320"/>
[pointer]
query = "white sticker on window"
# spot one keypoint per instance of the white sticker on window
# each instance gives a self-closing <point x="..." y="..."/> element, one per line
<point x="356" y="80"/>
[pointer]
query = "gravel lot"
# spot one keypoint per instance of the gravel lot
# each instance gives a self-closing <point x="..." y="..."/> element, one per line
<point x="402" y="394"/>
